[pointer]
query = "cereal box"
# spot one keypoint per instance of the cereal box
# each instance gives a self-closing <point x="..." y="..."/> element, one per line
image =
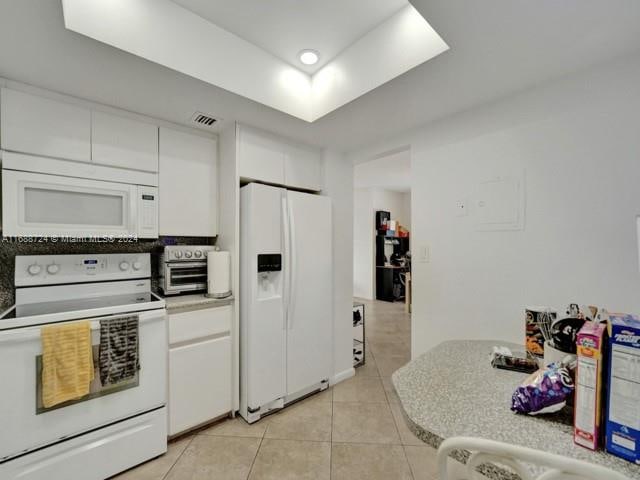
<point x="591" y="375"/>
<point x="623" y="405"/>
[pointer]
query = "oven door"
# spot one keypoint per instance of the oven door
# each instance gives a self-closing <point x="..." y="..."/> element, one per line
<point x="44" y="205"/>
<point x="184" y="277"/>
<point x="26" y="425"/>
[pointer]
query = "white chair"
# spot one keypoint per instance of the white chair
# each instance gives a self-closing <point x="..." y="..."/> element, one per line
<point x="554" y="467"/>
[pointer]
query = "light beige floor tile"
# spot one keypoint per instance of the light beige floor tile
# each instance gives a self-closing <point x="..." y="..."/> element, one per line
<point x="406" y="435"/>
<point x="237" y="427"/>
<point x="211" y="457"/>
<point x="309" y="419"/>
<point x="423" y="462"/>
<point x="292" y="460"/>
<point x="389" y="347"/>
<point x="390" y="390"/>
<point x="387" y="364"/>
<point x="370" y="462"/>
<point x="363" y="423"/>
<point x="156" y="469"/>
<point x="360" y="389"/>
<point x="369" y="369"/>
<point x="324" y="396"/>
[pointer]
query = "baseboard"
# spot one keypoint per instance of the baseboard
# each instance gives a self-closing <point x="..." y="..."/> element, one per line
<point x="344" y="375"/>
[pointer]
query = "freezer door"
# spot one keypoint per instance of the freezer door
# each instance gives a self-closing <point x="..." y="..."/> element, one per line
<point x="262" y="319"/>
<point x="310" y="294"/>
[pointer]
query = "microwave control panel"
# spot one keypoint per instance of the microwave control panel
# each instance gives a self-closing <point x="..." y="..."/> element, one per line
<point x="147" y="212"/>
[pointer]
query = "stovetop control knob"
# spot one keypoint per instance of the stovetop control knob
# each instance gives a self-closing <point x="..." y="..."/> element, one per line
<point x="34" y="269"/>
<point x="197" y="253"/>
<point x="187" y="254"/>
<point x="124" y="266"/>
<point x="136" y="265"/>
<point x="177" y="254"/>
<point x="53" y="269"/>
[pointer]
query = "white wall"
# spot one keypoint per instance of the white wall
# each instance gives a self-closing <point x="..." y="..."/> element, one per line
<point x="576" y="141"/>
<point x="363" y="231"/>
<point x="338" y="183"/>
<point x="366" y="201"/>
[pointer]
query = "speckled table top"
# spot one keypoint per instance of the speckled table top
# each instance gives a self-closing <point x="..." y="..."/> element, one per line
<point x="452" y="390"/>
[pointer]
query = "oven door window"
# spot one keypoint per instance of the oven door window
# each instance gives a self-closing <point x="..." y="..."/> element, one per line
<point x="188" y="275"/>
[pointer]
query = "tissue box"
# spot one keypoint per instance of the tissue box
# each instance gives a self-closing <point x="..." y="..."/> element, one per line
<point x="591" y="375"/>
<point x="623" y="404"/>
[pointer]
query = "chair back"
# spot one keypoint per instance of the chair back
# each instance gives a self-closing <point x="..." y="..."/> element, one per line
<point x="519" y="460"/>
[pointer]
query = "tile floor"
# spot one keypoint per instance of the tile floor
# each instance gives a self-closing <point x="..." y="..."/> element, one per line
<point x="354" y="430"/>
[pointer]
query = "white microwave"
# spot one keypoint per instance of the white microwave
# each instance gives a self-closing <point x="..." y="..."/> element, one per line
<point x="78" y="200"/>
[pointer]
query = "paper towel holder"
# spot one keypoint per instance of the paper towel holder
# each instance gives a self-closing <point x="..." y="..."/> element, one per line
<point x="218" y="274"/>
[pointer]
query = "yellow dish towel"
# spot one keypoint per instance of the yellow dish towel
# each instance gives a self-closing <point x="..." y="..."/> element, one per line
<point x="67" y="362"/>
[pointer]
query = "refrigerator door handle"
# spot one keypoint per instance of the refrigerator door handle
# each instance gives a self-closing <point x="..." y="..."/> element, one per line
<point x="292" y="266"/>
<point x="286" y="261"/>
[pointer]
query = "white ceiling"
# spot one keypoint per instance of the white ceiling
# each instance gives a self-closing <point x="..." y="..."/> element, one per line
<point x="198" y="47"/>
<point x="498" y="48"/>
<point x="284" y="27"/>
<point x="391" y="172"/>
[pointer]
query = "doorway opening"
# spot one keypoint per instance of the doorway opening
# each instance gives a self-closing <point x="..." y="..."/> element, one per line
<point x="382" y="260"/>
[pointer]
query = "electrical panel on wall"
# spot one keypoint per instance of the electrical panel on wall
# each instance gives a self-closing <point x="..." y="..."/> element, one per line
<point x="499" y="204"/>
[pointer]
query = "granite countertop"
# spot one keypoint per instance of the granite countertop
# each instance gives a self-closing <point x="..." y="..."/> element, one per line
<point x="195" y="300"/>
<point x="452" y="390"/>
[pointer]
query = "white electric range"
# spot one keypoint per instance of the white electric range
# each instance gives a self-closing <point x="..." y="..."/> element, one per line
<point x="111" y="429"/>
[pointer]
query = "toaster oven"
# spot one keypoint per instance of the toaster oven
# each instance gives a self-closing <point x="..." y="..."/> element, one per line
<point x="183" y="269"/>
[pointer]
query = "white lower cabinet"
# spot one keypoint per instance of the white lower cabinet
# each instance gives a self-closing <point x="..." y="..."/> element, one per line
<point x="200" y="383"/>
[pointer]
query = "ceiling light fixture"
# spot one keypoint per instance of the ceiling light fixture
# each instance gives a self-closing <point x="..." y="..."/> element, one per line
<point x="309" y="57"/>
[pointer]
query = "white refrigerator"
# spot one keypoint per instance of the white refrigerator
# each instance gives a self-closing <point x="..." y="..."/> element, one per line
<point x="286" y="297"/>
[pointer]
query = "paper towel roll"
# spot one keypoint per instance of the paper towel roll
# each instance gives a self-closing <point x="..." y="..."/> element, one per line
<point x="218" y="270"/>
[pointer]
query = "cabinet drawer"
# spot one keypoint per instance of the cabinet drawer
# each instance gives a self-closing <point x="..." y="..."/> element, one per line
<point x="186" y="326"/>
<point x="199" y="383"/>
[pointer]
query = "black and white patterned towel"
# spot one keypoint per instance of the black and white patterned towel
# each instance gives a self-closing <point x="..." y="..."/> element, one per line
<point x="118" y="355"/>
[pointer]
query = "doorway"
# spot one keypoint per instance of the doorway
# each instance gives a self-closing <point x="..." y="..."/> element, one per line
<point x="382" y="260"/>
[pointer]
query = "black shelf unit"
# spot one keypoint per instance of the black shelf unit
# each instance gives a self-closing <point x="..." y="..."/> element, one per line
<point x="359" y="340"/>
<point x="388" y="282"/>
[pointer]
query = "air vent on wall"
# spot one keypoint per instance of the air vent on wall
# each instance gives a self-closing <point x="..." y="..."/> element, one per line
<point x="204" y="120"/>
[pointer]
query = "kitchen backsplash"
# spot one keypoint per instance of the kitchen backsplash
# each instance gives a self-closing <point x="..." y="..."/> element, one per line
<point x="10" y="248"/>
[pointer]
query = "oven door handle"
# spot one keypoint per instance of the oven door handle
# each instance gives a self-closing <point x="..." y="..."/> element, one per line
<point x="173" y="265"/>
<point x="30" y="333"/>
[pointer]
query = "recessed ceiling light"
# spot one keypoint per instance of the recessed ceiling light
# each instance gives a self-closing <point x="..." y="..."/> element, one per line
<point x="309" y="57"/>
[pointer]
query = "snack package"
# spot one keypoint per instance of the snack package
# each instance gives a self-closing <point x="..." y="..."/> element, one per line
<point x="545" y="391"/>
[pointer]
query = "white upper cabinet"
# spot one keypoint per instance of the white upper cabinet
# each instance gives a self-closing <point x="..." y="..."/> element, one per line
<point x="188" y="184"/>
<point x="267" y="158"/>
<point x="123" y="142"/>
<point x="42" y="126"/>
<point x="303" y="167"/>
<point x="260" y="156"/>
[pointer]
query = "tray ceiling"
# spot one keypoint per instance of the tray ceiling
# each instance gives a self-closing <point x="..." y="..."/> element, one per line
<point x="250" y="47"/>
<point x="284" y="27"/>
